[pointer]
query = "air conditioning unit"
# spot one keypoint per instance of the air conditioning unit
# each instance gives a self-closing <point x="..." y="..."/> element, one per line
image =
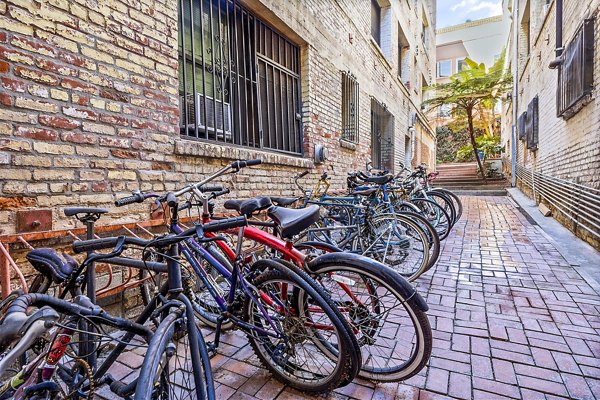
<point x="206" y="123"/>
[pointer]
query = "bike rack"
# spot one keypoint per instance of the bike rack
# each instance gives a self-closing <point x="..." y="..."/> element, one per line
<point x="10" y="270"/>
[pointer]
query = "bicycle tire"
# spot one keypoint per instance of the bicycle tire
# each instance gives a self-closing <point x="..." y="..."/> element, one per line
<point x="445" y="202"/>
<point x="384" y="294"/>
<point x="432" y="236"/>
<point x="156" y="382"/>
<point x="435" y="214"/>
<point x="398" y="242"/>
<point x="332" y="369"/>
<point x="455" y="200"/>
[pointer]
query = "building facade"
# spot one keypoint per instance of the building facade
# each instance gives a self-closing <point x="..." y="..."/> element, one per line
<point x="100" y="98"/>
<point x="482" y="41"/>
<point x="557" y="147"/>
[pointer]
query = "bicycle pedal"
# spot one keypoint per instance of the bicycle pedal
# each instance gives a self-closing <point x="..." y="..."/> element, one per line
<point x="212" y="349"/>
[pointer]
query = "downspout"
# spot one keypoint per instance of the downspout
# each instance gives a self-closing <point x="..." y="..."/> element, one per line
<point x="559" y="28"/>
<point x="515" y="101"/>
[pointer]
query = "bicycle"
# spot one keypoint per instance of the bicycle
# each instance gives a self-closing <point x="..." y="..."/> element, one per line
<point x="379" y="299"/>
<point x="238" y="297"/>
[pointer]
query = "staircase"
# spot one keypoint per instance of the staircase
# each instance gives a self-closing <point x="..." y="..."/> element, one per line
<point x="462" y="178"/>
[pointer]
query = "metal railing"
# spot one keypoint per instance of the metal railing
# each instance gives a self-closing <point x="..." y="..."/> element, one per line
<point x="239" y="79"/>
<point x="576" y="72"/>
<point x="578" y="203"/>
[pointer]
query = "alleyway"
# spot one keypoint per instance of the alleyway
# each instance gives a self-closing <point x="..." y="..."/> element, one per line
<point x="512" y="320"/>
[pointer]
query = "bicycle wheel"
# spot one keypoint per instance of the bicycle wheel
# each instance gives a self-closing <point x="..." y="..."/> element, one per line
<point x="303" y="340"/>
<point x="173" y="368"/>
<point x="393" y="331"/>
<point x="444" y="201"/>
<point x="436" y="216"/>
<point x="433" y="239"/>
<point x="398" y="242"/>
<point x="455" y="200"/>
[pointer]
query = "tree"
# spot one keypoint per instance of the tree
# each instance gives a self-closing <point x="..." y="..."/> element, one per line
<point x="473" y="93"/>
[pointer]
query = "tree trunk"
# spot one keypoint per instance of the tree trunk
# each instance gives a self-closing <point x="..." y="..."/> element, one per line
<point x="473" y="143"/>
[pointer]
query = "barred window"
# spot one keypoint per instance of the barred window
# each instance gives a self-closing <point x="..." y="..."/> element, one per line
<point x="382" y="131"/>
<point x="350" y="104"/>
<point x="576" y="73"/>
<point x="521" y="126"/>
<point x="531" y="124"/>
<point x="239" y="79"/>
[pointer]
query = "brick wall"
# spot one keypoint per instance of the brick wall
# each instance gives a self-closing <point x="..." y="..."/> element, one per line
<point x="90" y="100"/>
<point x="568" y="149"/>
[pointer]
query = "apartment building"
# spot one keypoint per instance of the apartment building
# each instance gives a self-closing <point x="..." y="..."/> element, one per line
<point x="102" y="98"/>
<point x="556" y="142"/>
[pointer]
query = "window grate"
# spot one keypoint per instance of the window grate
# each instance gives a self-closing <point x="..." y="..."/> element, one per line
<point x="531" y="124"/>
<point x="521" y="126"/>
<point x="576" y="73"/>
<point x="239" y="79"/>
<point x="382" y="128"/>
<point x="350" y="107"/>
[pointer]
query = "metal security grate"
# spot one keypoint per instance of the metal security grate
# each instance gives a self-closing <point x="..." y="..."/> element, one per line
<point x="576" y="73"/>
<point x="382" y="127"/>
<point x="239" y="79"/>
<point x="532" y="124"/>
<point x="579" y="203"/>
<point x="350" y="107"/>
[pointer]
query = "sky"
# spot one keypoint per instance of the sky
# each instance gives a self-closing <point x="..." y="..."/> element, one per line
<point x="452" y="12"/>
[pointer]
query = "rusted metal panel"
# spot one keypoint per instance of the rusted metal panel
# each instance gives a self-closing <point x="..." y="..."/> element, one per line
<point x="34" y="221"/>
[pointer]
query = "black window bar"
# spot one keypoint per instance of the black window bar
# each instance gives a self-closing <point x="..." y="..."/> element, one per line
<point x="350" y="107"/>
<point x="576" y="73"/>
<point x="239" y="79"/>
<point x="382" y="128"/>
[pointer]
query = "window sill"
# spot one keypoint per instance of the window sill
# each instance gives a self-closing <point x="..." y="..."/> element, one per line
<point x="380" y="52"/>
<point x="190" y="147"/>
<point x="346" y="144"/>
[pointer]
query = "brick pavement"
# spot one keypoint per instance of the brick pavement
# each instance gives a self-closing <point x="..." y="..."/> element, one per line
<point x="511" y="319"/>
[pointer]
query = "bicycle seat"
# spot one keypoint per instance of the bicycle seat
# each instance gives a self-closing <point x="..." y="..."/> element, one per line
<point x="284" y="201"/>
<point x="246" y="207"/>
<point x="292" y="221"/>
<point x="69" y="212"/>
<point x="364" y="191"/>
<point x="49" y="263"/>
<point x="379" y="180"/>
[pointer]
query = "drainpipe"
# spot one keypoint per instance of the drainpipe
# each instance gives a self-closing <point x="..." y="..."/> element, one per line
<point x="515" y="102"/>
<point x="559" y="28"/>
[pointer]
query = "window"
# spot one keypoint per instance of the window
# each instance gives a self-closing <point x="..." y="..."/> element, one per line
<point x="403" y="54"/>
<point x="445" y="110"/>
<point x="444" y="68"/>
<point x="526" y="30"/>
<point x="376" y="21"/>
<point x="531" y="124"/>
<point x="521" y="122"/>
<point x="382" y="129"/>
<point x="239" y="79"/>
<point x="350" y="97"/>
<point x="460" y="64"/>
<point x="576" y="73"/>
